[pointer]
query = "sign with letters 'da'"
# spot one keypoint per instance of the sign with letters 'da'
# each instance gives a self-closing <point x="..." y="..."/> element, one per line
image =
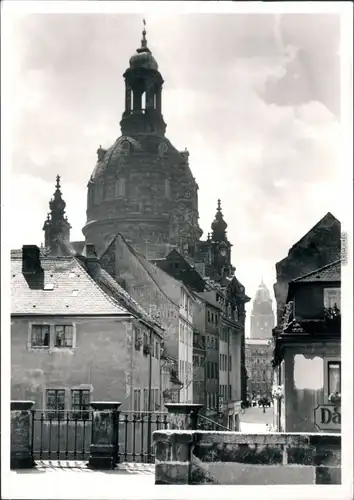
<point x="328" y="418"/>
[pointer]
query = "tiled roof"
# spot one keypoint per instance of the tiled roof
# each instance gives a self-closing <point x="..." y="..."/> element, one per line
<point x="330" y="272"/>
<point x="113" y="288"/>
<point x="65" y="287"/>
<point x="17" y="253"/>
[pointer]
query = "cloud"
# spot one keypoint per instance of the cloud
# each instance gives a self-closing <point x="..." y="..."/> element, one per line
<point x="254" y="98"/>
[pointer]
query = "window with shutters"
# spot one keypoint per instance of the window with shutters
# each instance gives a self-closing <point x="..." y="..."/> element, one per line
<point x="40" y="336"/>
<point x="63" y="335"/>
<point x="55" y="403"/>
<point x="80" y="403"/>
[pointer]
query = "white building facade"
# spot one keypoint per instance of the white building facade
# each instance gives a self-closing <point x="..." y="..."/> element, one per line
<point x="185" y="344"/>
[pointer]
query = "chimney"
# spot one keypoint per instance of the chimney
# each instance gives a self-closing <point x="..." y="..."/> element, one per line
<point x="31" y="261"/>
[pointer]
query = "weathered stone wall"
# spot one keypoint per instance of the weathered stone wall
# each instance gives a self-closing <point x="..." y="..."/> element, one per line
<point x="113" y="374"/>
<point x="202" y="457"/>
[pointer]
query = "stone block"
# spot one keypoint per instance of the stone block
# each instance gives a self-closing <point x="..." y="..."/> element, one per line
<point x="103" y="449"/>
<point x="172" y="473"/>
<point x="328" y="475"/>
<point x="249" y="474"/>
<point x="21" y="450"/>
<point x="216" y="457"/>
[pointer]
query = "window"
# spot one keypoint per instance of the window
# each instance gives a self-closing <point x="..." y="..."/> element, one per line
<point x="208" y="369"/>
<point x="146" y="401"/>
<point x="156" y="406"/>
<point x="55" y="403"/>
<point x="208" y="316"/>
<point x="120" y="188"/>
<point x="40" y="336"/>
<point x="157" y="349"/>
<point x="230" y="390"/>
<point x="136" y="403"/>
<point x="334" y="377"/>
<point x="230" y="364"/>
<point x="63" y="335"/>
<point x="212" y="317"/>
<point x="331" y="297"/>
<point x="221" y="360"/>
<point x="202" y="361"/>
<point x="80" y="403"/>
<point x="216" y="319"/>
<point x="167" y="188"/>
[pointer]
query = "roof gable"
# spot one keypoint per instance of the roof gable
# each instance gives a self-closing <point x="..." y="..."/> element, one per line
<point x="328" y="221"/>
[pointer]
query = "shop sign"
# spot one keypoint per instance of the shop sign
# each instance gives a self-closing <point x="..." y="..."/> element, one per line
<point x="328" y="418"/>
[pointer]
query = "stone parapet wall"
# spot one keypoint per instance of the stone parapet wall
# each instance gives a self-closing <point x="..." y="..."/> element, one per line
<point x="233" y="458"/>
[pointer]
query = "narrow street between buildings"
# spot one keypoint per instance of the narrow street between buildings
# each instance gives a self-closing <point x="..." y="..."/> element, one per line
<point x="253" y="420"/>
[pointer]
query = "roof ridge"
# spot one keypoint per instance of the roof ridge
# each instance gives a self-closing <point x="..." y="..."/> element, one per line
<point x="93" y="281"/>
<point x="137" y="255"/>
<point x="105" y="274"/>
<point x="326" y="216"/>
<point x="315" y="271"/>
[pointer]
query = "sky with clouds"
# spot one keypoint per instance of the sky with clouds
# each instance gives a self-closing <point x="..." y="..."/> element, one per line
<point x="255" y="99"/>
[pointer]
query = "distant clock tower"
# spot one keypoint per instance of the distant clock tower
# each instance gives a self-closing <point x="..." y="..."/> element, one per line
<point x="262" y="316"/>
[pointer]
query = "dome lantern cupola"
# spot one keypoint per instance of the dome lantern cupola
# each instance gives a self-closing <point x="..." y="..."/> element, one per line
<point x="143" y="57"/>
<point x="143" y="89"/>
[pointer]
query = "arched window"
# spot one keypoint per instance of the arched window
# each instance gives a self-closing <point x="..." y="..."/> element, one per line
<point x="120" y="188"/>
<point x="167" y="188"/>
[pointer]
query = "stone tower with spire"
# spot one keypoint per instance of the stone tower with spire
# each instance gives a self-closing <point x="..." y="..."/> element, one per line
<point x="57" y="228"/>
<point x="262" y="315"/>
<point x="215" y="252"/>
<point x="142" y="186"/>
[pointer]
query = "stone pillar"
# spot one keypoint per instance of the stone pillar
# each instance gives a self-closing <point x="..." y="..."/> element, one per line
<point x="104" y="446"/>
<point x="183" y="415"/>
<point x="128" y="98"/>
<point x="173" y="457"/>
<point x="21" y="433"/>
<point x="158" y="100"/>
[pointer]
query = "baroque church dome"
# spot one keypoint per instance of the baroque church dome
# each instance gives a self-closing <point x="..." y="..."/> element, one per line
<point x="142" y="186"/>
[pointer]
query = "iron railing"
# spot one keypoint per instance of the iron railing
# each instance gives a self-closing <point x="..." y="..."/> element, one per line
<point x="61" y="435"/>
<point x="66" y="435"/>
<point x="207" y="424"/>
